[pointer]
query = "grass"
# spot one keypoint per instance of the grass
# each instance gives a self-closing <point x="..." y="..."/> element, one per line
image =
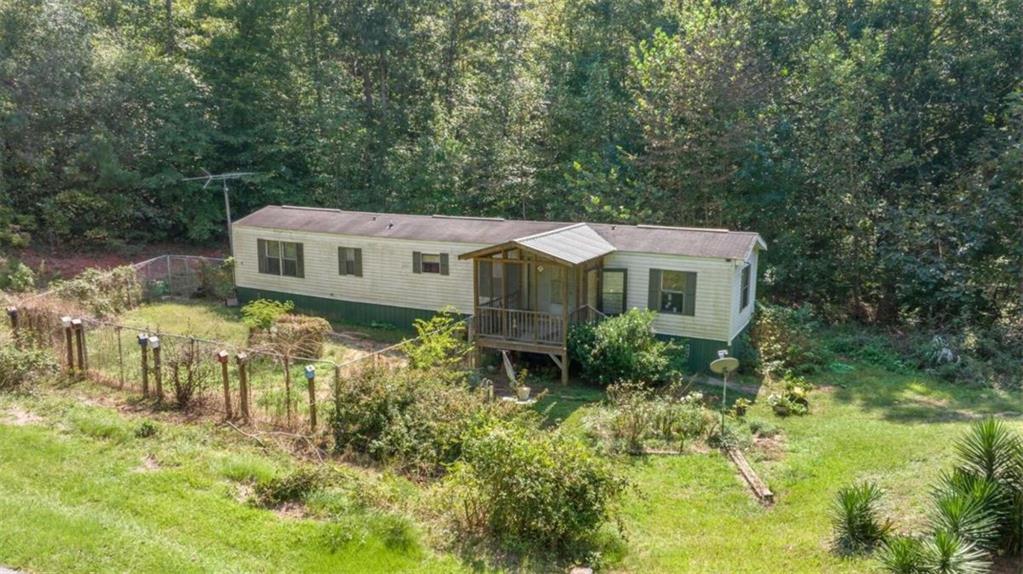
<point x="80" y="492"/>
<point x="691" y="514"/>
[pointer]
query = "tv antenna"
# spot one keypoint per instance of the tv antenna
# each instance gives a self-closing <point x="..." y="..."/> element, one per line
<point x="223" y="179"/>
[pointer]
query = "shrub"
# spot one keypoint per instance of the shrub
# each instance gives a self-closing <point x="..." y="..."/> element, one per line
<point x="763" y="428"/>
<point x="261" y="313"/>
<point x="784" y="340"/>
<point x="103" y="292"/>
<point x="18" y="277"/>
<point x="902" y="555"/>
<point x="794" y="399"/>
<point x="440" y="341"/>
<point x="146" y="429"/>
<point x="411" y="418"/>
<point x="948" y="553"/>
<point x="21" y="367"/>
<point x="191" y="375"/>
<point x="217" y="281"/>
<point x="624" y="348"/>
<point x="741" y="406"/>
<point x="634" y="417"/>
<point x="533" y="490"/>
<point x="856" y="518"/>
<point x="293" y="486"/>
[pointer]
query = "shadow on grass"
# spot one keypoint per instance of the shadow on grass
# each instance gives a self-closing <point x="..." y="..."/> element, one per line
<point x="917" y="397"/>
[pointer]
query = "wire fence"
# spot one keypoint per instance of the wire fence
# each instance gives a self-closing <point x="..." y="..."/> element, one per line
<point x="257" y="383"/>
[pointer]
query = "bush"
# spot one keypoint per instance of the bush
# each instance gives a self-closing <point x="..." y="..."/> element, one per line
<point x="103" y="292"/>
<point x="19" y="368"/>
<point x="18" y="277"/>
<point x="624" y="348"/>
<point x="261" y="313"/>
<point x="440" y="342"/>
<point x="411" y="418"/>
<point x="217" y="281"/>
<point x="856" y="518"/>
<point x="146" y="429"/>
<point x="192" y="372"/>
<point x="533" y="490"/>
<point x="636" y="418"/>
<point x="785" y="342"/>
<point x="293" y="486"/>
<point x="794" y="399"/>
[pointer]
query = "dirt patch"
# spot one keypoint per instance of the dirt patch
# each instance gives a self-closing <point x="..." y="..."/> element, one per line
<point x="19" y="417"/>
<point x="291" y="511"/>
<point x="68" y="263"/>
<point x="769" y="448"/>
<point x="149" y="464"/>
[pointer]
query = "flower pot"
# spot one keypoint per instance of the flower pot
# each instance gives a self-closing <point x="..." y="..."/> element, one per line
<point x="522" y="393"/>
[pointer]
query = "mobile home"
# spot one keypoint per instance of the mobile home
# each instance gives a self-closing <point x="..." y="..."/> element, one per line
<point x="523" y="282"/>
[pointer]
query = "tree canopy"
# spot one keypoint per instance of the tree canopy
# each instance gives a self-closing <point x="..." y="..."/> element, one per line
<point x="875" y="144"/>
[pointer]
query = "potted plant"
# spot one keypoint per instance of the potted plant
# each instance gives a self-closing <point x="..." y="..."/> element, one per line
<point x="741" y="406"/>
<point x="519" y="385"/>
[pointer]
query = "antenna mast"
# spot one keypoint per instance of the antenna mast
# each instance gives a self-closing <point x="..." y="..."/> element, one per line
<point x="223" y="177"/>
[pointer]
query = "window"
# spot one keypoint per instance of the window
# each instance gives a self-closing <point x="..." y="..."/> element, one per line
<point x="491" y="281"/>
<point x="430" y="263"/>
<point x="673" y="292"/>
<point x="349" y="261"/>
<point x="557" y="284"/>
<point x="612" y="291"/>
<point x="280" y="258"/>
<point x="744" y="296"/>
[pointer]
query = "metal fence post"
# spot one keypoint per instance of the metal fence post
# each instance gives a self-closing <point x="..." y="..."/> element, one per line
<point x="120" y="356"/>
<point x="76" y="326"/>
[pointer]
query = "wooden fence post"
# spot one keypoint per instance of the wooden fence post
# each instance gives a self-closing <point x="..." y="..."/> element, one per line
<point x="310" y="375"/>
<point x="154" y="344"/>
<point x="287" y="389"/>
<point x="243" y="384"/>
<point x="222" y="356"/>
<point x="69" y="343"/>
<point x="143" y="340"/>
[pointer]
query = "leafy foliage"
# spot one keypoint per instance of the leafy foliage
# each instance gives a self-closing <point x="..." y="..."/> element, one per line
<point x="103" y="292"/>
<point x="533" y="490"/>
<point x="21" y="367"/>
<point x="794" y="398"/>
<point x="292" y="486"/>
<point x="440" y="342"/>
<point x="785" y="340"/>
<point x="262" y="313"/>
<point x="856" y="516"/>
<point x="636" y="417"/>
<point x="623" y="348"/>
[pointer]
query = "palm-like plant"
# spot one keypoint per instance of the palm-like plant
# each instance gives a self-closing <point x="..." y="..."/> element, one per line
<point x="973" y="507"/>
<point x="856" y="516"/>
<point x="902" y="555"/>
<point x="992" y="450"/>
<point x="948" y="553"/>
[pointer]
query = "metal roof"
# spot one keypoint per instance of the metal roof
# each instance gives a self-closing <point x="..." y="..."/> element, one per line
<point x="573" y="244"/>
<point x="693" y="242"/>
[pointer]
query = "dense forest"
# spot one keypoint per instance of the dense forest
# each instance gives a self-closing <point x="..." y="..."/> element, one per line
<point x="876" y="144"/>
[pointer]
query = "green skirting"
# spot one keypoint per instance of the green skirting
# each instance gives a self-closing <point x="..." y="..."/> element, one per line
<point x="703" y="351"/>
<point x="338" y="311"/>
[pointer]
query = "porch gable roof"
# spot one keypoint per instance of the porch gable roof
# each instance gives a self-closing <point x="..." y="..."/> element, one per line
<point x="571" y="245"/>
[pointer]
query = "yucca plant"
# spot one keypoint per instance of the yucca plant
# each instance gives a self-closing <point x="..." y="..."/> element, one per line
<point x="902" y="555"/>
<point x="857" y="518"/>
<point x="948" y="553"/>
<point x="973" y="507"/>
<point x="992" y="450"/>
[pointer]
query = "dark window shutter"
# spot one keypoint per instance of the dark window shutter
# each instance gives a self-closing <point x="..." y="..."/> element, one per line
<point x="444" y="264"/>
<point x="690" y="303"/>
<point x="300" y="263"/>
<point x="358" y="262"/>
<point x="486" y="276"/>
<point x="261" y="246"/>
<point x="417" y="262"/>
<point x="654" y="299"/>
<point x="342" y="260"/>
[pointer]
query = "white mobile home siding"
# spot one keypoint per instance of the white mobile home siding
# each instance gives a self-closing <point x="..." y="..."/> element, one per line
<point x="712" y="319"/>
<point x="740" y="318"/>
<point x="387" y="277"/>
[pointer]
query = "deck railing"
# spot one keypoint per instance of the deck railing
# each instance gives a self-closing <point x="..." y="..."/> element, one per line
<point x="520" y="325"/>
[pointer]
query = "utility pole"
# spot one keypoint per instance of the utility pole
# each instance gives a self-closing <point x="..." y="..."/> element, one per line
<point x="223" y="178"/>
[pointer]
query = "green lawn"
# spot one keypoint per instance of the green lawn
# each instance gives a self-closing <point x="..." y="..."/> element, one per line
<point x="692" y="514"/>
<point x="80" y="493"/>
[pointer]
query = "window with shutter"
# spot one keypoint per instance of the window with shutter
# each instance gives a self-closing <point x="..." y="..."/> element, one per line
<point x="280" y="258"/>
<point x="349" y="261"/>
<point x="430" y="263"/>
